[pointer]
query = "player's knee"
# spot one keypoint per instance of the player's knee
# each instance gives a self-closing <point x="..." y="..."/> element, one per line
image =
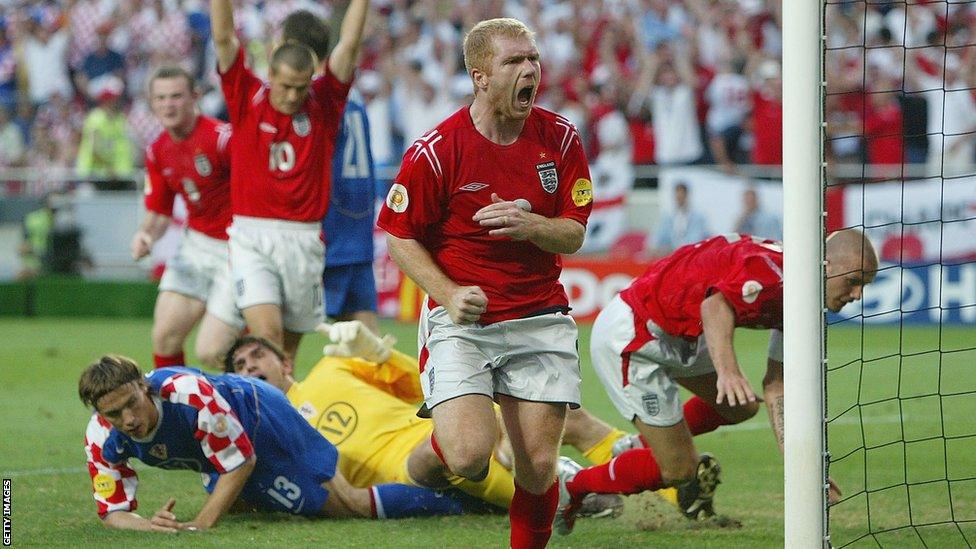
<point x="536" y="476"/>
<point x="210" y="356"/>
<point x="165" y="341"/>
<point x="468" y="461"/>
<point x="739" y="414"/>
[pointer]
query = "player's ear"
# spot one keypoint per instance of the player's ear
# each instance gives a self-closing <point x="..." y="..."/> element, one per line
<point x="480" y="78"/>
<point x="287" y="366"/>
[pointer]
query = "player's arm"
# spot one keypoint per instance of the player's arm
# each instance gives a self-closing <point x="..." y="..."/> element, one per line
<point x="718" y="324"/>
<point x="223" y="441"/>
<point x="342" y="60"/>
<point x="222" y="28"/>
<point x="465" y="304"/>
<point x="773" y="395"/>
<point x="224" y="495"/>
<point x="158" y="200"/>
<point x="153" y="227"/>
<point x="114" y="483"/>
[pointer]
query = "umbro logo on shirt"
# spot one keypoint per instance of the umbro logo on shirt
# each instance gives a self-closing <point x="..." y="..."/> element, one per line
<point x="265" y="127"/>
<point x="473" y="186"/>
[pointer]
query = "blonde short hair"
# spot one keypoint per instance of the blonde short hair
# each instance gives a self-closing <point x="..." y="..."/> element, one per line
<point x="479" y="44"/>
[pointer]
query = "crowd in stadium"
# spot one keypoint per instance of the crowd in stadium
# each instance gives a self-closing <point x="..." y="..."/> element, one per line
<point x="675" y="81"/>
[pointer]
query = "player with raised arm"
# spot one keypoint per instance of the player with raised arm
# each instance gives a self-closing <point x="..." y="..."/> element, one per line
<point x="674" y="327"/>
<point x="363" y="397"/>
<point x="480" y="211"/>
<point x="348" y="280"/>
<point x="241" y="433"/>
<point x="284" y="137"/>
<point x="191" y="158"/>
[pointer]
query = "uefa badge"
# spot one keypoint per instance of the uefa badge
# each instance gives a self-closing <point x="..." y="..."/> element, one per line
<point x="750" y="291"/>
<point x="397" y="200"/>
<point x="202" y="164"/>
<point x="548" y="176"/>
<point x="301" y="124"/>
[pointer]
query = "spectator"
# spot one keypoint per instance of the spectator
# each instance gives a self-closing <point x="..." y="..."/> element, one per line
<point x="37" y="230"/>
<point x="728" y="105"/>
<point x="662" y="22"/>
<point x="613" y="179"/>
<point x="45" y="62"/>
<point x="767" y="115"/>
<point x="883" y="126"/>
<point x="105" y="151"/>
<point x="679" y="226"/>
<point x="8" y="70"/>
<point x="756" y="221"/>
<point x="376" y="97"/>
<point x="12" y="145"/>
<point x="102" y="61"/>
<point x="677" y="139"/>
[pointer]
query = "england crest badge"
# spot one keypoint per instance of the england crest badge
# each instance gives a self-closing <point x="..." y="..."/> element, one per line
<point x="548" y="176"/>
<point x="302" y="124"/>
<point x="651" y="404"/>
<point x="202" y="164"/>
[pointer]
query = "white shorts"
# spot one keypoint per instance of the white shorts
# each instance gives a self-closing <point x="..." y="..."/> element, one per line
<point x="279" y="262"/>
<point x="531" y="358"/>
<point x="637" y="365"/>
<point x="200" y="270"/>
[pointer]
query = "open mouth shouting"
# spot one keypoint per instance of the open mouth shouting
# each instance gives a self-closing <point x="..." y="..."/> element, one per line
<point x="524" y="95"/>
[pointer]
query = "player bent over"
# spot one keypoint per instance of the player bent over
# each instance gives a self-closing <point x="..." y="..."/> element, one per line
<point x="674" y="327"/>
<point x="241" y="432"/>
<point x="191" y="158"/>
<point x="284" y="137"/>
<point x="363" y="397"/>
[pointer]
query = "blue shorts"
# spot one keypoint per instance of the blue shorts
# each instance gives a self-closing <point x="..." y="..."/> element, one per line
<point x="293" y="459"/>
<point x="348" y="289"/>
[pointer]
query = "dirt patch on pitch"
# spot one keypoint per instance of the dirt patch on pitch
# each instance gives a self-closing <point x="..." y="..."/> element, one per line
<point x="648" y="512"/>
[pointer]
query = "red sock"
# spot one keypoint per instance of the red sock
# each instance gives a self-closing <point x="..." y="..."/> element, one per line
<point x="531" y="517"/>
<point x="701" y="417"/>
<point x="162" y="361"/>
<point x="631" y="472"/>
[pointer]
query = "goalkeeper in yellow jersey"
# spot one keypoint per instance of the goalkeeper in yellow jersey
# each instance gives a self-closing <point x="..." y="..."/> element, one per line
<point x="363" y="397"/>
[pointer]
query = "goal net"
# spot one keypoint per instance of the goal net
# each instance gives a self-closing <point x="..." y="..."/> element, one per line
<point x="899" y="380"/>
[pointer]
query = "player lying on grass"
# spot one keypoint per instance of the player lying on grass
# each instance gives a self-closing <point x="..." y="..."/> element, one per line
<point x="674" y="326"/>
<point x="181" y="418"/>
<point x="363" y="396"/>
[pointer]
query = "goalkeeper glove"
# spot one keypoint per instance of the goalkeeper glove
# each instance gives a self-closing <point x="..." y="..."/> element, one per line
<point x="354" y="339"/>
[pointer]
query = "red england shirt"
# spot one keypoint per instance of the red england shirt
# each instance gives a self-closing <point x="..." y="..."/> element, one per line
<point x="747" y="270"/>
<point x="198" y="168"/>
<point x="450" y="173"/>
<point x="281" y="163"/>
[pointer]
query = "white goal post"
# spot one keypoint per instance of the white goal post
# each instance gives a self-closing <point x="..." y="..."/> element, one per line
<point x="804" y="440"/>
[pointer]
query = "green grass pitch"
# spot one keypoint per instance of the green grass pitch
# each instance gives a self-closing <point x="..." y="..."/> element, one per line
<point x="43" y="429"/>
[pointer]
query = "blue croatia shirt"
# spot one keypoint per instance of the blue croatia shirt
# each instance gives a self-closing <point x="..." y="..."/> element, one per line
<point x="348" y="225"/>
<point x="213" y="424"/>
